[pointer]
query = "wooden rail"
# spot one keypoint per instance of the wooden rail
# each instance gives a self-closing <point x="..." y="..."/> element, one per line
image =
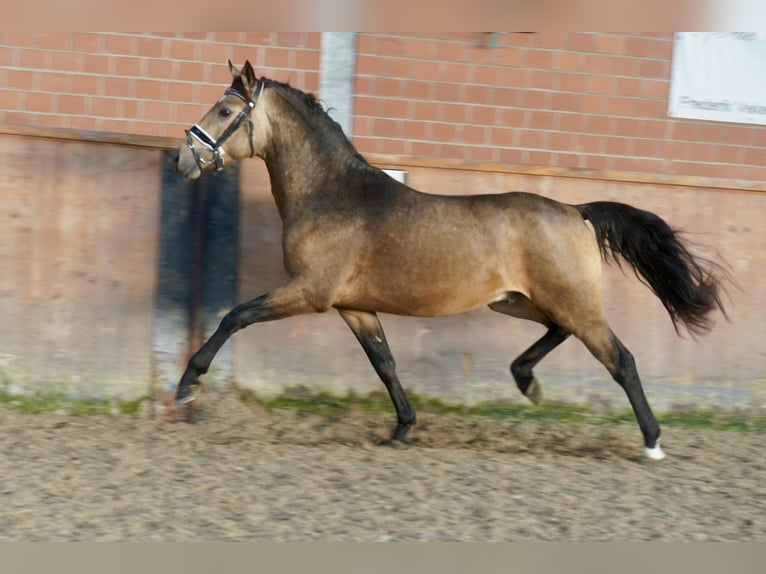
<point x="400" y="161"/>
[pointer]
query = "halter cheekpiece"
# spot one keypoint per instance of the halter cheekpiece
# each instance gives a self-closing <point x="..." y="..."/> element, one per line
<point x="211" y="144"/>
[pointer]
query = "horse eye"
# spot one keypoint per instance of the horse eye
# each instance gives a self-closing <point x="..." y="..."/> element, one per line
<point x="225" y="112"/>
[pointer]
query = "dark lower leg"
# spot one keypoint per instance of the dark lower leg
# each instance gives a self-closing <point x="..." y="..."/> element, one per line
<point x="626" y="375"/>
<point x="368" y="331"/>
<point x="608" y="349"/>
<point x="522" y="366"/>
<point x="276" y="305"/>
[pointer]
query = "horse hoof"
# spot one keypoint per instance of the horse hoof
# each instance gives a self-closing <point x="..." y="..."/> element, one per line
<point x="534" y="392"/>
<point x="184" y="396"/>
<point x="395" y="443"/>
<point x="654" y="453"/>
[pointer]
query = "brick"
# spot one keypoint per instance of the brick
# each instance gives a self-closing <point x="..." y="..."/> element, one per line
<point x="512" y="156"/>
<point x="610" y="43"/>
<point x="512" y="57"/>
<point x="513" y="116"/>
<point x="541" y="79"/>
<point x="445" y="92"/>
<point x="451" y="52"/>
<point x="119" y="88"/>
<point x="560" y="141"/>
<point x="86" y="85"/>
<point x="157" y="111"/>
<point x="397" y="67"/>
<point x="86" y="42"/>
<point x="564" y="101"/>
<point x="460" y="73"/>
<point x="367" y="44"/>
<point x="602" y="85"/>
<point x="22" y="79"/>
<point x="423" y="149"/>
<point x="39" y="102"/>
<point x="533" y="139"/>
<point x="454" y="113"/>
<point x="535" y="99"/>
<point x="307" y="59"/>
<point x="641" y="47"/>
<point x="504" y="136"/>
<point x="367" y="106"/>
<point x="277" y="58"/>
<point x="473" y="134"/>
<point x="568" y="61"/>
<point x="419" y="49"/>
<point x="754" y="156"/>
<point x="602" y="125"/>
<point x="66" y="61"/>
<point x="645" y="148"/>
<point x="95" y="64"/>
<point x="395" y="108"/>
<point x="416" y="90"/>
<point x="730" y="154"/>
<point x="128" y="66"/>
<point x="485" y="115"/>
<point x="592" y="104"/>
<point x="54" y="40"/>
<point x="160" y="69"/>
<point x="598" y="64"/>
<point x="589" y="144"/>
<point x="651" y="108"/>
<point x="581" y="42"/>
<point x="150" y="89"/>
<point x="34" y="59"/>
<point x="104" y="107"/>
<point x="388" y="87"/>
<point x="573" y="82"/>
<point x="542" y="120"/>
<point x="120" y="45"/>
<point x="71" y="104"/>
<point x="368" y="65"/>
<point x="654" y="69"/>
<point x="539" y="59"/>
<point x="182" y="50"/>
<point x="10" y="99"/>
<point x="620" y="106"/>
<point x="542" y="158"/>
<point x="571" y="122"/>
<point x="478" y="95"/>
<point x="215" y="53"/>
<point x="415" y="130"/>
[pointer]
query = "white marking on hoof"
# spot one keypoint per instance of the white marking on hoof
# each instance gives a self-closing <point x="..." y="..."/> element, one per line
<point x="654" y="453"/>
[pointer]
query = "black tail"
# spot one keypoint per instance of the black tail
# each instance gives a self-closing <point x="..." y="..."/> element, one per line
<point x="689" y="286"/>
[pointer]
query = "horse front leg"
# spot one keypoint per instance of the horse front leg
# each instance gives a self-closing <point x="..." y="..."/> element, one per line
<point x="278" y="304"/>
<point x="370" y="335"/>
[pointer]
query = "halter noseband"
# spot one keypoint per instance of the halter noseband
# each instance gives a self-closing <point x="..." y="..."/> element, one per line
<point x="210" y="143"/>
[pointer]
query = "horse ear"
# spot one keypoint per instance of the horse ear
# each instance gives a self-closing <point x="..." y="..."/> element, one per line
<point x="234" y="71"/>
<point x="248" y="75"/>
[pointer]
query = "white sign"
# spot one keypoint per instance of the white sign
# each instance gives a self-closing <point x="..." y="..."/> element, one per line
<point x="719" y="76"/>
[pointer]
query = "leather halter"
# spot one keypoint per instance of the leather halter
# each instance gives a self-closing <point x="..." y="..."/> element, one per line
<point x="214" y="145"/>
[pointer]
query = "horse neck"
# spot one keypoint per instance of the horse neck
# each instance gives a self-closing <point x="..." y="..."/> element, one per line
<point x="304" y="156"/>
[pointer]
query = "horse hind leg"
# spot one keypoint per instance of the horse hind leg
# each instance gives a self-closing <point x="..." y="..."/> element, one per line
<point x="521" y="368"/>
<point x="369" y="332"/>
<point x="609" y="350"/>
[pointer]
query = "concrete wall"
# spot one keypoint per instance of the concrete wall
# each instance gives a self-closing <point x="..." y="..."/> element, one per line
<point x="78" y="267"/>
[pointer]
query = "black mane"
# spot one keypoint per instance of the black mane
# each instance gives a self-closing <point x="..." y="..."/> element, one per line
<point x="315" y="113"/>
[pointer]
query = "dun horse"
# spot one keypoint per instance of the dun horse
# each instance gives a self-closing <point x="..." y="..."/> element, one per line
<point x="360" y="242"/>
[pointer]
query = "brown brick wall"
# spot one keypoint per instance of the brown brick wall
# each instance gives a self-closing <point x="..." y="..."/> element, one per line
<point x="581" y="100"/>
<point x="139" y="83"/>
